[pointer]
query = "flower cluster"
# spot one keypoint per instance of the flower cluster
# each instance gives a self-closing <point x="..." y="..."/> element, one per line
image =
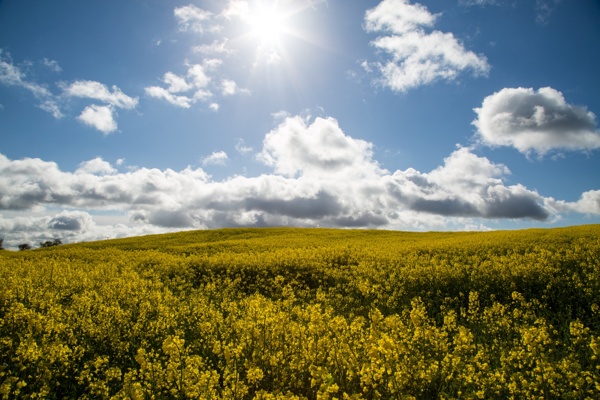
<point x="305" y="314"/>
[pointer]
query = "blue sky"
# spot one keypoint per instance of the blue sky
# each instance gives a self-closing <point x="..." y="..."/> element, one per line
<point x="128" y="118"/>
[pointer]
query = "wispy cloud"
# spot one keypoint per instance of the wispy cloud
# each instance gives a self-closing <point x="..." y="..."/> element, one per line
<point x="12" y="75"/>
<point x="416" y="57"/>
<point x="535" y="121"/>
<point x="195" y="19"/>
<point x="52" y="65"/>
<point x="240" y="147"/>
<point x="478" y="2"/>
<point x="544" y="9"/>
<point x="101" y="117"/>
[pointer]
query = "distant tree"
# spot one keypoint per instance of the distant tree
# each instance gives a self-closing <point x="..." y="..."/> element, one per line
<point x="1" y="244"/>
<point x="49" y="243"/>
<point x="24" y="246"/>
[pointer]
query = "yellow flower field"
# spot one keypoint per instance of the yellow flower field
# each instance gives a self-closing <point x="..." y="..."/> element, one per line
<point x="289" y="313"/>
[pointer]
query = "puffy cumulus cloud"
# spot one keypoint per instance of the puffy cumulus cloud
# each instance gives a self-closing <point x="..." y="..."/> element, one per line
<point x="535" y="121"/>
<point x="588" y="204"/>
<point x="31" y="182"/>
<point x="319" y="149"/>
<point x="216" y="158"/>
<point x="398" y="16"/>
<point x="229" y="88"/>
<point x="176" y="83"/>
<point x="196" y="85"/>
<point x="320" y="177"/>
<point x="96" y="166"/>
<point x="98" y="91"/>
<point x="466" y="186"/>
<point x="99" y="117"/>
<point x="416" y="57"/>
<point x="71" y="221"/>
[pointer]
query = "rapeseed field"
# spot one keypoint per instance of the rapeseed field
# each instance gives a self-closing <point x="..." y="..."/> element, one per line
<point x="290" y="313"/>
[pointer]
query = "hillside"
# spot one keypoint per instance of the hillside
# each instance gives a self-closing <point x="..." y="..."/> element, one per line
<point x="278" y="313"/>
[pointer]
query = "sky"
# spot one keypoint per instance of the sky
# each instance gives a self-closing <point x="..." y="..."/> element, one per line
<point x="124" y="118"/>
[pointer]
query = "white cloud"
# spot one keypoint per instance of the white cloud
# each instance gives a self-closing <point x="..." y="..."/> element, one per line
<point x="51" y="106"/>
<point x="214" y="106"/>
<point x="11" y="75"/>
<point x="416" y="57"/>
<point x="216" y="47"/>
<point x="280" y="115"/>
<point x="544" y="9"/>
<point x="98" y="91"/>
<point x="161" y="93"/>
<point x="197" y="73"/>
<point x="69" y="226"/>
<point x="318" y="149"/>
<point x="52" y="65"/>
<point x="240" y="147"/>
<point x="192" y="18"/>
<point x="99" y="117"/>
<point x="236" y="9"/>
<point x="588" y="204"/>
<point x="216" y="158"/>
<point x="230" y="88"/>
<point x="195" y="86"/>
<point x="398" y="17"/>
<point x="478" y="2"/>
<point x="96" y="166"/>
<point x="176" y="83"/>
<point x="320" y="176"/>
<point x="535" y="121"/>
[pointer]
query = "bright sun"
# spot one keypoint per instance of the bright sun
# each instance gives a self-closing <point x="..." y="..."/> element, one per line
<point x="268" y="24"/>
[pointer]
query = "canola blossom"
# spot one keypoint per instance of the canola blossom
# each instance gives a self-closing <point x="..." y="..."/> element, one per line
<point x="289" y="313"/>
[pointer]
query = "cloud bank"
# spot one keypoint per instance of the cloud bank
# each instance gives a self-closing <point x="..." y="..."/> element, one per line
<point x="415" y="56"/>
<point x="320" y="177"/>
<point x="535" y="122"/>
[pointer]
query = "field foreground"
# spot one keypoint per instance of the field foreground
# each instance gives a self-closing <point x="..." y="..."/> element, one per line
<point x="282" y="313"/>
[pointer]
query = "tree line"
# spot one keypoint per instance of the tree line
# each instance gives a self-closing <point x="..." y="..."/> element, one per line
<point x="27" y="246"/>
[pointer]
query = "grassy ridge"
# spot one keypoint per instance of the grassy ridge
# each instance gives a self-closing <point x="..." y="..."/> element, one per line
<point x="305" y="313"/>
